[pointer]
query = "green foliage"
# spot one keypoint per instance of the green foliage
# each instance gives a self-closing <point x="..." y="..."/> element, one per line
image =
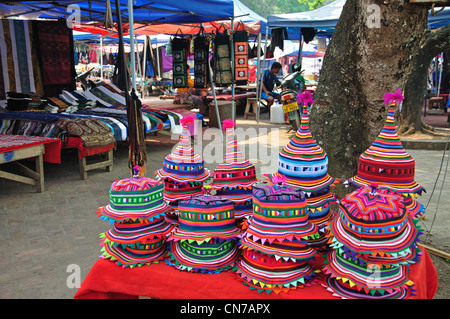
<point x="266" y="7"/>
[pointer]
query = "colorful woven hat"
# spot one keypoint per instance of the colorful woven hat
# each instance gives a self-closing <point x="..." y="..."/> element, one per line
<point x="386" y="162"/>
<point x="375" y="221"/>
<point x="234" y="177"/>
<point x="305" y="165"/>
<point x="132" y="233"/>
<point x="211" y="257"/>
<point x="346" y="290"/>
<point x="368" y="279"/>
<point x="265" y="273"/>
<point x="183" y="165"/>
<point x="150" y="251"/>
<point x="136" y="198"/>
<point x="205" y="217"/>
<point x="279" y="213"/>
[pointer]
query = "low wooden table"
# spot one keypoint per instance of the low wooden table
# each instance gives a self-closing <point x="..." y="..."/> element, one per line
<point x="26" y="147"/>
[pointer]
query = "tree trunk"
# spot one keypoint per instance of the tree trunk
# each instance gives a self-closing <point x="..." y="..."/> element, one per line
<point x="363" y="61"/>
<point x="434" y="42"/>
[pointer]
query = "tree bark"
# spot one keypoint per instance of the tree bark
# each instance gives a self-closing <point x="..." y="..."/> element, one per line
<point x="363" y="61"/>
<point x="434" y="42"/>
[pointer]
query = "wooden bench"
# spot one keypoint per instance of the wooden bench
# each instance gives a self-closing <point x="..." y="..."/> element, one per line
<point x="31" y="177"/>
<point x="251" y="104"/>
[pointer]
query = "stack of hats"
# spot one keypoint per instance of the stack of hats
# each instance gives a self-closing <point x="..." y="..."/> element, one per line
<point x="234" y="177"/>
<point x="275" y="246"/>
<point x="206" y="238"/>
<point x="137" y="211"/>
<point x="387" y="163"/>
<point x="305" y="165"/>
<point x="374" y="240"/>
<point x="183" y="172"/>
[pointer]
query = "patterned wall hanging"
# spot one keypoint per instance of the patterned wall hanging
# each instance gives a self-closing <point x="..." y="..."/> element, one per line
<point x="179" y="60"/>
<point x="201" y="56"/>
<point x="240" y="39"/>
<point x="222" y="56"/>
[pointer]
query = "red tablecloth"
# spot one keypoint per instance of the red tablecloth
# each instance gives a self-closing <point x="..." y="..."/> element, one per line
<point x="52" y="146"/>
<point x="107" y="280"/>
<point x="76" y="142"/>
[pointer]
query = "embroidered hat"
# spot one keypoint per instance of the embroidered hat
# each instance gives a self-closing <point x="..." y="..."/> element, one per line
<point x="234" y="177"/>
<point x="368" y="279"/>
<point x="135" y="198"/>
<point x="211" y="257"/>
<point x="374" y="221"/>
<point x="265" y="273"/>
<point x="183" y="165"/>
<point x="130" y="233"/>
<point x="374" y="243"/>
<point x="387" y="163"/>
<point x="305" y="165"/>
<point x="345" y="290"/>
<point x="202" y="218"/>
<point x="149" y="251"/>
<point x="279" y="213"/>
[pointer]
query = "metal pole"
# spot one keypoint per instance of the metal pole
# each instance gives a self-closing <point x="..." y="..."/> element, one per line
<point x="264" y="61"/>
<point x="101" y="58"/>
<point x="258" y="76"/>
<point x="215" y="99"/>
<point x="232" y="70"/>
<point x="132" y="57"/>
<point x="144" y="63"/>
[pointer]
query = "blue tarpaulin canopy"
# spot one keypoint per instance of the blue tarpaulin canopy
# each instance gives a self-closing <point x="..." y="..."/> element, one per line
<point x="145" y="11"/>
<point x="325" y="18"/>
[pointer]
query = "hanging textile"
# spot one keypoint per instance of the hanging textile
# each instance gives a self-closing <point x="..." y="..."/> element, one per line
<point x="121" y="76"/>
<point x="136" y="132"/>
<point x="55" y="55"/>
<point x="240" y="39"/>
<point x="201" y="56"/>
<point x="222" y="60"/>
<point x="179" y="60"/>
<point x="19" y="65"/>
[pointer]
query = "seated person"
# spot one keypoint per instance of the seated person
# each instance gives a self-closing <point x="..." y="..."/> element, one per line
<point x="268" y="83"/>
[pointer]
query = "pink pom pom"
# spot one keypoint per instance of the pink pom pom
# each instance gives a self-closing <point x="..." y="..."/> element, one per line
<point x="185" y="121"/>
<point x="228" y="123"/>
<point x="279" y="178"/>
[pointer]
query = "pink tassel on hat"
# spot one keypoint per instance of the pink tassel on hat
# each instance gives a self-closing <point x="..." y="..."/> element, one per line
<point x="185" y="121"/>
<point x="228" y="123"/>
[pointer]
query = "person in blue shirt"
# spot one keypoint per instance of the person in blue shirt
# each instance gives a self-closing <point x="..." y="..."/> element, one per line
<point x="268" y="83"/>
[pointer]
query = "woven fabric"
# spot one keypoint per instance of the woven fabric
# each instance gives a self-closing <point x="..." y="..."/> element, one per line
<point x="387" y="163"/>
<point x="183" y="165"/>
<point x="130" y="233"/>
<point x="55" y="55"/>
<point x="138" y="255"/>
<point x="345" y="291"/>
<point x="374" y="221"/>
<point x="201" y="60"/>
<point x="241" y="57"/>
<point x="179" y="62"/>
<point x="369" y="277"/>
<point x="211" y="257"/>
<point x="202" y="218"/>
<point x="222" y="60"/>
<point x="303" y="162"/>
<point x="374" y="240"/>
<point x="136" y="198"/>
<point x="279" y="213"/>
<point x="264" y="272"/>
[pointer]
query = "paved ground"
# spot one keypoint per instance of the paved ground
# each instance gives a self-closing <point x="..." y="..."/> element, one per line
<point x="43" y="235"/>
